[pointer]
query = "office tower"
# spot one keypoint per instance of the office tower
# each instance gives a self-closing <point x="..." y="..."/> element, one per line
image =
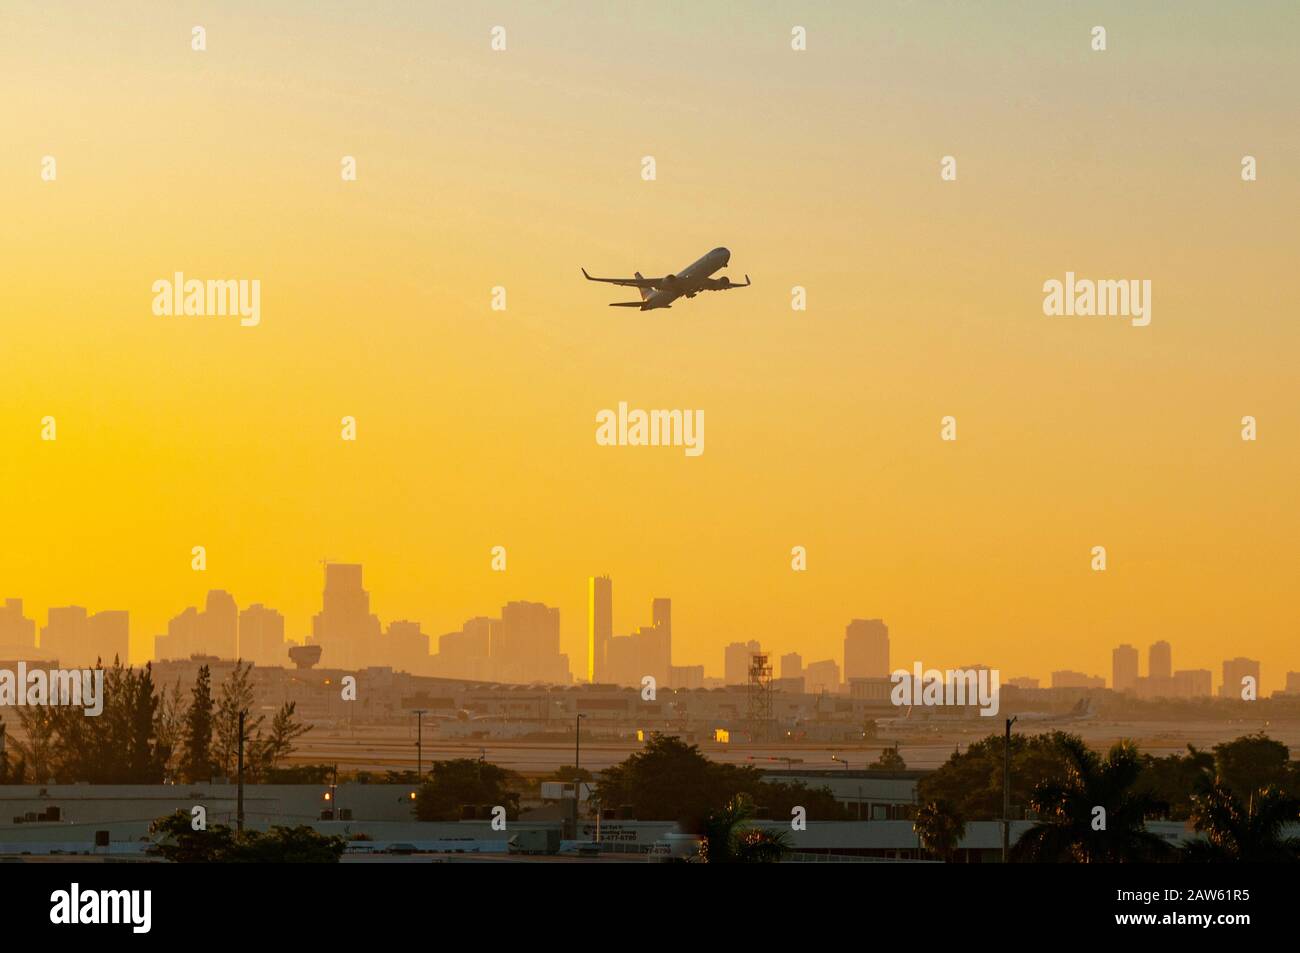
<point x="1193" y="683"/>
<point x="1069" y="679"/>
<point x="214" y="631"/>
<point x="1124" y="668"/>
<point x="661" y="615"/>
<point x="526" y="646"/>
<point x="261" y="637"/>
<point x="79" y="640"/>
<point x="735" y="662"/>
<point x="622" y="661"/>
<point x="866" y="649"/>
<point x="1234" y="672"/>
<point x="1160" y="663"/>
<point x="686" y="677"/>
<point x="345" y="629"/>
<point x="792" y="665"/>
<point x="822" y="676"/>
<point x="17" y="632"/>
<point x="600" y="625"/>
<point x="408" y="648"/>
<point x="657" y="650"/>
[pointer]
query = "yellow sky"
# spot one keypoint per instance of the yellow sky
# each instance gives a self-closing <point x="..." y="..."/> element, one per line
<point x="476" y="428"/>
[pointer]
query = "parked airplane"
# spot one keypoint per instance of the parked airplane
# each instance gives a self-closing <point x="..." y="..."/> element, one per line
<point x="690" y="281"/>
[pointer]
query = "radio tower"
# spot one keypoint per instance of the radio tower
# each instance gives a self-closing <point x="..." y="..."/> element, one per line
<point x="760" y="698"/>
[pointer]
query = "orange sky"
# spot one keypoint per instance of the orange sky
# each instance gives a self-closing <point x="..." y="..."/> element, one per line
<point x="476" y="428"/>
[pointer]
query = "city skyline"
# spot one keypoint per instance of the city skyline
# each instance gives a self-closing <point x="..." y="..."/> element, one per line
<point x="353" y="637"/>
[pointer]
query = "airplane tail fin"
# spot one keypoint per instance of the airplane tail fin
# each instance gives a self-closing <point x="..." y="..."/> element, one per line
<point x="645" y="292"/>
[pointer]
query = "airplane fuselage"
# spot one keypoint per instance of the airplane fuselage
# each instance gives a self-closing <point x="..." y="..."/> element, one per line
<point x="689" y="281"/>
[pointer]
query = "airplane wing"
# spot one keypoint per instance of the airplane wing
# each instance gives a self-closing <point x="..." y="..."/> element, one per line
<point x="723" y="284"/>
<point x="637" y="282"/>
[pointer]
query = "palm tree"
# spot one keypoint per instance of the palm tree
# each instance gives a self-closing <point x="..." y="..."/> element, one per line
<point x="1071" y="828"/>
<point x="728" y="837"/>
<point x="940" y="828"/>
<point x="1237" y="833"/>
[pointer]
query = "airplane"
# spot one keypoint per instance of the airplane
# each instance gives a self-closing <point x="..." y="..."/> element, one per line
<point x="690" y="281"/>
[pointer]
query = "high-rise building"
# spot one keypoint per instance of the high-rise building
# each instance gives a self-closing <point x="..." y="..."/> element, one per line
<point x="1124" y="668"/>
<point x="1292" y="683"/>
<point x="1193" y="683"/>
<point x="600" y="625"/>
<point x="1160" y="661"/>
<point x="822" y="676"/>
<point x="735" y="662"/>
<point x="1068" y="679"/>
<point x="79" y="640"/>
<point x="261" y="637"/>
<point x="661" y="615"/>
<point x="866" y="649"/>
<point x="214" y="631"/>
<point x="17" y="632"/>
<point x="1235" y="672"/>
<point x="345" y="629"/>
<point x="407" y="648"/>
<point x="792" y="665"/>
<point x="526" y="646"/>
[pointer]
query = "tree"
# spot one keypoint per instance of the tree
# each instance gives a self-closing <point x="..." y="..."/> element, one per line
<point x="1243" y="832"/>
<point x="940" y="828"/>
<point x="1171" y="781"/>
<point x="266" y="753"/>
<point x="236" y="697"/>
<point x="971" y="781"/>
<point x="177" y="841"/>
<point x="889" y="760"/>
<point x="169" y="726"/>
<point x="1252" y="763"/>
<point x="462" y="781"/>
<point x="669" y="780"/>
<point x="37" y="752"/>
<point x="1071" y="827"/>
<point x="197" y="763"/>
<point x="728" y="836"/>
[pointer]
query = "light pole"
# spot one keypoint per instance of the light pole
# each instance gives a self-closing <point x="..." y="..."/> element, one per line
<point x="577" y="767"/>
<point x="239" y="805"/>
<point x="836" y="757"/>
<point x="1006" y="793"/>
<point x="419" y="742"/>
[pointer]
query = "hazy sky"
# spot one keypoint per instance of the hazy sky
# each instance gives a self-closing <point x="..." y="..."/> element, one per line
<point x="476" y="428"/>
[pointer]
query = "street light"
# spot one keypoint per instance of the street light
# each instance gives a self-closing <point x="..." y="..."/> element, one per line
<point x="577" y="767"/>
<point x="419" y="741"/>
<point x="841" y="761"/>
<point x="1006" y="793"/>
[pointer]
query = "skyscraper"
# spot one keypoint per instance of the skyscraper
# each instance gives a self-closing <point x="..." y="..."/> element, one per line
<point x="261" y="636"/>
<point x="77" y="639"/>
<point x="17" y="632"/>
<point x="214" y="631"/>
<point x="1235" y="672"/>
<point x="1124" y="668"/>
<point x="600" y="625"/>
<point x="345" y="629"/>
<point x="866" y="649"/>
<point x="735" y="662"/>
<point x="792" y="665"/>
<point x="660" y="649"/>
<point x="1160" y="660"/>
